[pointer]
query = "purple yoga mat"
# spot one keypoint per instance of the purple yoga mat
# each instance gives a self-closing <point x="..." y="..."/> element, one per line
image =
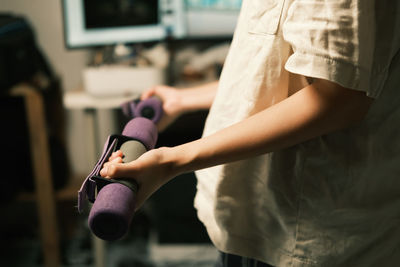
<point x="112" y="212"/>
<point x="113" y="209"/>
<point x="143" y="130"/>
<point x="150" y="108"/>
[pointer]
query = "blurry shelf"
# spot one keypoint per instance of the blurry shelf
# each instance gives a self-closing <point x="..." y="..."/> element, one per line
<point x="80" y="99"/>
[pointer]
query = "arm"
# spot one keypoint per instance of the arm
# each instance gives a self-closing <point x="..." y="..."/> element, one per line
<point x="179" y="101"/>
<point x="317" y="109"/>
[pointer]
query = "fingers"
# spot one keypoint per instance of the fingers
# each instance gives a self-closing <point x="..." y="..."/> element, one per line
<point x="112" y="160"/>
<point x="116" y="154"/>
<point x="117" y="169"/>
<point x="148" y="93"/>
<point x="159" y="90"/>
<point x="108" y="170"/>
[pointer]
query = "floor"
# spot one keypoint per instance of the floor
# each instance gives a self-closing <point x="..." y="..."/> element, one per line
<point x="165" y="233"/>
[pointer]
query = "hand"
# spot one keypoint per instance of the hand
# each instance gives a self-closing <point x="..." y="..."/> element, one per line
<point x="171" y="98"/>
<point x="150" y="171"/>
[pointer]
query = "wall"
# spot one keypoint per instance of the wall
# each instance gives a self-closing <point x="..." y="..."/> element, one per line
<point x="46" y="18"/>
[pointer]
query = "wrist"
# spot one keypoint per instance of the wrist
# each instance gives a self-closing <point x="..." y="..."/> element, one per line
<point x="179" y="159"/>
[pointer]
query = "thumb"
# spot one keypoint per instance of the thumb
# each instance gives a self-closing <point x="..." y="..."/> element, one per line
<point x="118" y="170"/>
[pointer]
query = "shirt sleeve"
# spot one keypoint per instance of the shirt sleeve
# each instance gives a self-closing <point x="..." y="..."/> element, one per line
<point x="332" y="40"/>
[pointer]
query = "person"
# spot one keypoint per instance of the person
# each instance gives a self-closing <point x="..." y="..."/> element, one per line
<point x="299" y="161"/>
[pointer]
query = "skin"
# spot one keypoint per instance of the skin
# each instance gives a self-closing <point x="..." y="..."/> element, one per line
<point x="317" y="109"/>
<point x="176" y="102"/>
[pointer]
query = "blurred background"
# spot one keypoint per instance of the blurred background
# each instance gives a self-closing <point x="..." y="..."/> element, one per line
<point x="66" y="66"/>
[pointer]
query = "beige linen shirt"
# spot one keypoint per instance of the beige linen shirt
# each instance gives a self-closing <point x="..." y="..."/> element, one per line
<point x="330" y="201"/>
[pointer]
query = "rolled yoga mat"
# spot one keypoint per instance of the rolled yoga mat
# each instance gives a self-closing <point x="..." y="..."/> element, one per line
<point x="150" y="108"/>
<point x="113" y="209"/>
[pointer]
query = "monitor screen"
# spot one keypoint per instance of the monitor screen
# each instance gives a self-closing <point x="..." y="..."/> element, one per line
<point x="211" y="18"/>
<point x="108" y="22"/>
<point x="120" y="13"/>
<point x="214" y="4"/>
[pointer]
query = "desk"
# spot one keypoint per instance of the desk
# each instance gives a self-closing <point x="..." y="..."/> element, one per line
<point x="79" y="99"/>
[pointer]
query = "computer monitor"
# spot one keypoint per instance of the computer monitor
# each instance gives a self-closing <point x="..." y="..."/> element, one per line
<point x="108" y="22"/>
<point x="211" y="18"/>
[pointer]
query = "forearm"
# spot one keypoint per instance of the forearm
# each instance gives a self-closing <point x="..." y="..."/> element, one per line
<point x="179" y="101"/>
<point x="313" y="111"/>
<point x="199" y="97"/>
